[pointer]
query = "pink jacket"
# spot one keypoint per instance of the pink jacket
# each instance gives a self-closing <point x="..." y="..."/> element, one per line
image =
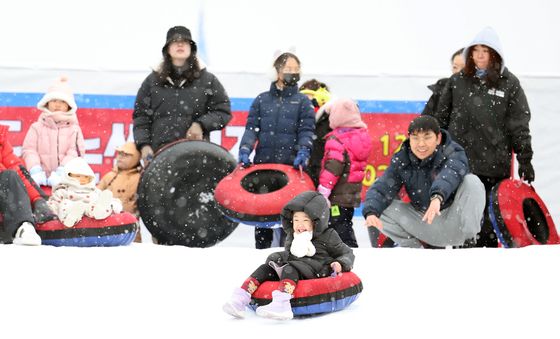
<point x="52" y="144"/>
<point x="346" y="152"/>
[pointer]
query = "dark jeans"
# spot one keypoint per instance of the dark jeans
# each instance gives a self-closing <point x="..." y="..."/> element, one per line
<point x="14" y="202"/>
<point x="487" y="237"/>
<point x="263" y="237"/>
<point x="343" y="225"/>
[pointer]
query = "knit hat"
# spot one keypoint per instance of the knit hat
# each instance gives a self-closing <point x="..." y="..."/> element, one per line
<point x="344" y="113"/>
<point x="130" y="148"/>
<point x="59" y="90"/>
<point x="178" y="33"/>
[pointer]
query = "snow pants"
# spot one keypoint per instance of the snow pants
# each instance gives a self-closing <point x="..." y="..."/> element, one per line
<point x="459" y="222"/>
<point x="14" y="202"/>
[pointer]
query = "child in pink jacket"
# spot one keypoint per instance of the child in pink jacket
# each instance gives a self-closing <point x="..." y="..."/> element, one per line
<point x="55" y="138"/>
<point x="347" y="149"/>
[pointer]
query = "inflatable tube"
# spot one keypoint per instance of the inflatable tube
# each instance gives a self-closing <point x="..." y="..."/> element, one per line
<point x="176" y="194"/>
<point x="116" y="230"/>
<point x="519" y="216"/>
<point x="315" y="296"/>
<point x="257" y="194"/>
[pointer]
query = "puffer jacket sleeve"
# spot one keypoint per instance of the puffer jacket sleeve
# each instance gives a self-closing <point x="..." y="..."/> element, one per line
<point x="445" y="104"/>
<point x="142" y="116"/>
<point x="306" y="125"/>
<point x="380" y="195"/>
<point x="218" y="112"/>
<point x="278" y="257"/>
<point x="252" y="126"/>
<point x="340" y="251"/>
<point x="333" y="161"/>
<point x="517" y="124"/>
<point x="56" y="198"/>
<point x="29" y="152"/>
<point x="454" y="169"/>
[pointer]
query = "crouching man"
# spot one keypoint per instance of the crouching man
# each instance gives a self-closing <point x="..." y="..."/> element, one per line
<point x="447" y="203"/>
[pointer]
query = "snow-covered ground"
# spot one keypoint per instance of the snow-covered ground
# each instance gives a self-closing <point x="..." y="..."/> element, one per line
<point x="151" y="291"/>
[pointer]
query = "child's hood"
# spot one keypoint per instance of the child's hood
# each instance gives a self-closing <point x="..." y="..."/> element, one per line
<point x="344" y="113"/>
<point x="314" y="205"/>
<point x="77" y="166"/>
<point x="61" y="91"/>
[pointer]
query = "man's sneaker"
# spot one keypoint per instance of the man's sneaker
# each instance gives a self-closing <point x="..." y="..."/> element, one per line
<point x="279" y="309"/>
<point x="237" y="304"/>
<point x="26" y="235"/>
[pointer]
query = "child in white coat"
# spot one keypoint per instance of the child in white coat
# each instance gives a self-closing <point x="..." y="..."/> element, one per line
<point x="76" y="195"/>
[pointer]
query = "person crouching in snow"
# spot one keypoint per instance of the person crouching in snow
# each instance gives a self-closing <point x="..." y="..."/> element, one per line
<point x="55" y="138"/>
<point x="347" y="150"/>
<point x="76" y="195"/>
<point x="312" y="251"/>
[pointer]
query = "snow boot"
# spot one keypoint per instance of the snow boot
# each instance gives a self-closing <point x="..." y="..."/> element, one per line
<point x="75" y="212"/>
<point x="237" y="304"/>
<point x="280" y="307"/>
<point x="26" y="235"/>
<point x="103" y="206"/>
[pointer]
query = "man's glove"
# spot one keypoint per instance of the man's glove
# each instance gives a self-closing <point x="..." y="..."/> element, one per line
<point x="526" y="171"/>
<point x="302" y="157"/>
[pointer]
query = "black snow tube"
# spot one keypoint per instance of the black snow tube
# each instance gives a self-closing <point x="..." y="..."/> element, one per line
<point x="519" y="216"/>
<point x="176" y="194"/>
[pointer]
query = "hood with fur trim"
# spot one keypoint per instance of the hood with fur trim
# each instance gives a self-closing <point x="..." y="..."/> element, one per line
<point x="314" y="205"/>
<point x="487" y="37"/>
<point x="59" y="90"/>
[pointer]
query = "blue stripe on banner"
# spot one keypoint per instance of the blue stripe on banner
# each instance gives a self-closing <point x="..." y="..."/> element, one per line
<point x="237" y="104"/>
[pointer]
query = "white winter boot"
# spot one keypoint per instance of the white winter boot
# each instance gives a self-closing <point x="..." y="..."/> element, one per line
<point x="280" y="307"/>
<point x="237" y="304"/>
<point x="26" y="235"/>
<point x="103" y="206"/>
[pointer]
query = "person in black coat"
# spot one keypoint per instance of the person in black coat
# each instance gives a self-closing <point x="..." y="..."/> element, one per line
<point x="457" y="64"/>
<point x="446" y="202"/>
<point x="179" y="100"/>
<point x="280" y="127"/>
<point x="318" y="93"/>
<point x="484" y="108"/>
<point x="313" y="250"/>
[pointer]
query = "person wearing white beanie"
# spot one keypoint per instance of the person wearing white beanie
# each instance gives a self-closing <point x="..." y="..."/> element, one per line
<point x="56" y="137"/>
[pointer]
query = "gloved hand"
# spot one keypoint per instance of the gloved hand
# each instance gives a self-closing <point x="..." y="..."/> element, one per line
<point x="526" y="171"/>
<point x="326" y="192"/>
<point x="38" y="175"/>
<point x="244" y="157"/>
<point x="56" y="176"/>
<point x="302" y="157"/>
<point x="147" y="154"/>
<point x="42" y="212"/>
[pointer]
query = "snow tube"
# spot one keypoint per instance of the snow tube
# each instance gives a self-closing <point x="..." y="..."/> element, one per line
<point x="176" y="194"/>
<point x="519" y="216"/>
<point x="315" y="296"/>
<point x="257" y="194"/>
<point x="116" y="230"/>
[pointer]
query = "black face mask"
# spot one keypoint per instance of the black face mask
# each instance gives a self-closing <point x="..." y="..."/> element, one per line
<point x="290" y="79"/>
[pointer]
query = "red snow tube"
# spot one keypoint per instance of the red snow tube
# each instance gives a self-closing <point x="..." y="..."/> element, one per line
<point x="257" y="194"/>
<point x="315" y="296"/>
<point x="519" y="216"/>
<point x="116" y="230"/>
